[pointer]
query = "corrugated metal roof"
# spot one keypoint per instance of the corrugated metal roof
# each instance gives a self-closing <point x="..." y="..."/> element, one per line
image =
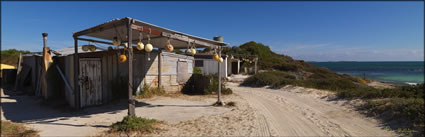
<point x="117" y="28"/>
<point x="70" y="51"/>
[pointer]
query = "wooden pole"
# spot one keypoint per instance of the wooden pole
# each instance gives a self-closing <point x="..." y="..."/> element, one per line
<point x="219" y="79"/>
<point x="45" y="66"/>
<point x="159" y="67"/>
<point x="18" y="70"/>
<point x="255" y="66"/>
<point x="76" y="73"/>
<point x="131" y="101"/>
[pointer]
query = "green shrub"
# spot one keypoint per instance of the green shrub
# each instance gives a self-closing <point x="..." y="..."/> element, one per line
<point x="11" y="56"/>
<point x="370" y="93"/>
<point x="273" y="78"/>
<point x="287" y="67"/>
<point x="213" y="86"/>
<point x="148" y="92"/>
<point x="197" y="70"/>
<point x="411" y="109"/>
<point x="332" y="84"/>
<point x="204" y="85"/>
<point x="133" y="123"/>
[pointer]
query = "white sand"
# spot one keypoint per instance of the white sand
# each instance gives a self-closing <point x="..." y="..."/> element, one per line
<point x="296" y="111"/>
<point x="92" y="121"/>
<point x="290" y="111"/>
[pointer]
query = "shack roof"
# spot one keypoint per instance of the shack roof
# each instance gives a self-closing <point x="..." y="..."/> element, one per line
<point x="159" y="35"/>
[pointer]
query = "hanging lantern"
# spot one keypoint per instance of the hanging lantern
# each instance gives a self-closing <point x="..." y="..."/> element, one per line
<point x="220" y="60"/>
<point x="92" y="48"/>
<point x="116" y="41"/>
<point x="140" y="46"/>
<point x="148" y="47"/>
<point x="122" y="58"/>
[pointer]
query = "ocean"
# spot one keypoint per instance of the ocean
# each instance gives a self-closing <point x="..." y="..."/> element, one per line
<point x="404" y="73"/>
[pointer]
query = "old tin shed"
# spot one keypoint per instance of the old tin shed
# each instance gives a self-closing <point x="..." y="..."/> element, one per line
<point x="102" y="77"/>
<point x="130" y="31"/>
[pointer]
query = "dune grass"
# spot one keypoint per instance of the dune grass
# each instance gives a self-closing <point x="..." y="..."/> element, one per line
<point x="148" y="92"/>
<point x="134" y="124"/>
<point x="11" y="129"/>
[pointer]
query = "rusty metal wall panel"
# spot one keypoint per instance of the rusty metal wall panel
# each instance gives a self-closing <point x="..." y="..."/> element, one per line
<point x="69" y="71"/>
<point x="90" y="81"/>
<point x="104" y="79"/>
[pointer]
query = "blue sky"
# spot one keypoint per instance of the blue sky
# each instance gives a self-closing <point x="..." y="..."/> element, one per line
<point x="313" y="31"/>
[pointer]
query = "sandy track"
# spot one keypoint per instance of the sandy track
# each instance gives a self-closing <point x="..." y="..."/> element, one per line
<point x="287" y="113"/>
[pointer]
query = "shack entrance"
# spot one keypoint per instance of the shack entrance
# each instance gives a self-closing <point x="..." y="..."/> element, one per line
<point x="90" y="81"/>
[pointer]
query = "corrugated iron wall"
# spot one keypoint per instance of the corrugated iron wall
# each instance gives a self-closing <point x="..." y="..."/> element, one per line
<point x="114" y="74"/>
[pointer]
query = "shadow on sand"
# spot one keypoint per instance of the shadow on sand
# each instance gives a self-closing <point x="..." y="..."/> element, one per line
<point x="31" y="109"/>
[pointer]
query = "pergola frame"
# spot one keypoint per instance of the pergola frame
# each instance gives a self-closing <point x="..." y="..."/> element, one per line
<point x="132" y="25"/>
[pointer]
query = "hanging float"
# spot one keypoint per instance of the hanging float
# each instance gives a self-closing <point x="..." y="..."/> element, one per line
<point x="169" y="47"/>
<point x="140" y="46"/>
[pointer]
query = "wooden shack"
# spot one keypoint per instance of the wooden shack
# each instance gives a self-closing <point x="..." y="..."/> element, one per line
<point x="97" y="74"/>
<point x="102" y="77"/>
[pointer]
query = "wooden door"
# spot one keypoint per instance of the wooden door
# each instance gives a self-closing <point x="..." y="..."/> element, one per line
<point x="234" y="67"/>
<point x="182" y="72"/>
<point x="90" y="82"/>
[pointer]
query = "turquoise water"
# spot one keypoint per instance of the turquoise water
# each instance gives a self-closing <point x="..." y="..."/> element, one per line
<point x="394" y="72"/>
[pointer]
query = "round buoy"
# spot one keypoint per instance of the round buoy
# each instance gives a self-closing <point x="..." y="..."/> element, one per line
<point x="216" y="57"/>
<point x="140" y="46"/>
<point x="92" y="48"/>
<point x="220" y="60"/>
<point x="169" y="48"/>
<point x="148" y="47"/>
<point x="122" y="58"/>
<point x="85" y="48"/>
<point x="192" y="51"/>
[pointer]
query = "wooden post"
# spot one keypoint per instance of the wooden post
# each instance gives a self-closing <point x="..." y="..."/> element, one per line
<point x="219" y="78"/>
<point x="159" y="67"/>
<point x="255" y="65"/>
<point x="18" y="70"/>
<point x="76" y="73"/>
<point x="131" y="101"/>
<point x="45" y="66"/>
<point x="219" y="102"/>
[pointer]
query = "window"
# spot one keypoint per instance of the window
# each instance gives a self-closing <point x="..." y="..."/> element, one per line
<point x="199" y="63"/>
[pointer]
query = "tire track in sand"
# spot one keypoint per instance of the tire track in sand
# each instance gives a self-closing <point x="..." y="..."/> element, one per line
<point x="290" y="114"/>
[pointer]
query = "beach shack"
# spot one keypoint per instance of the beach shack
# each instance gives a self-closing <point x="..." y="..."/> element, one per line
<point x="97" y="72"/>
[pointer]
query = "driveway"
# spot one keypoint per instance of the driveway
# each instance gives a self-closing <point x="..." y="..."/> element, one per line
<point x="63" y="121"/>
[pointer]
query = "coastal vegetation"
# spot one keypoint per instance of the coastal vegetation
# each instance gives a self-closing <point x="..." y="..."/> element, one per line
<point x="148" y="92"/>
<point x="200" y="84"/>
<point x="399" y="104"/>
<point x="16" y="129"/>
<point x="11" y="56"/>
<point x="134" y="124"/>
